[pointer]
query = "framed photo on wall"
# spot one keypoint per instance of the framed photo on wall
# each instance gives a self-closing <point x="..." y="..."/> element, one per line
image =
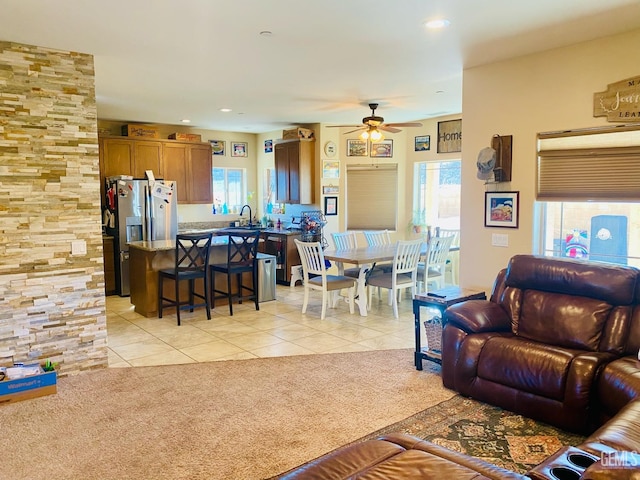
<point x="239" y="149"/>
<point x="217" y="147"/>
<point x="356" y="148"/>
<point x="423" y="143"/>
<point x="330" y="206"/>
<point x="501" y="209"/>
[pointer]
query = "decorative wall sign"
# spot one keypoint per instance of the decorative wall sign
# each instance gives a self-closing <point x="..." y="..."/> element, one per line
<point x="383" y="148"/>
<point x="239" y="149"/>
<point x="268" y="146"/>
<point x="423" y="143"/>
<point x="330" y="149"/>
<point x="501" y="209"/>
<point x="329" y="189"/>
<point x="620" y="102"/>
<point x="217" y="147"/>
<point x="450" y="136"/>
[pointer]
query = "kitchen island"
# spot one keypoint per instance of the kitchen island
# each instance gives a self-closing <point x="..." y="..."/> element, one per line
<point x="148" y="257"/>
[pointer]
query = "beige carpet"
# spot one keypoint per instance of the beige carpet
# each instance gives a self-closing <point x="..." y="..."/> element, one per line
<point x="245" y="419"/>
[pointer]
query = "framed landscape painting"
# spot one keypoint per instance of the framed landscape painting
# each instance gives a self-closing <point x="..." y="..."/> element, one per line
<point x="356" y="148"/>
<point x="383" y="148"/>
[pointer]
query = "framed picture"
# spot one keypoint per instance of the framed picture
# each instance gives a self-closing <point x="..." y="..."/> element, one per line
<point x="330" y="169"/>
<point x="423" y="143"/>
<point x="356" y="148"/>
<point x="383" y="148"/>
<point x="501" y="209"/>
<point x="330" y="206"/>
<point x="329" y="189"/>
<point x="268" y="146"/>
<point x="239" y="149"/>
<point x="450" y="136"/>
<point x="217" y="147"/>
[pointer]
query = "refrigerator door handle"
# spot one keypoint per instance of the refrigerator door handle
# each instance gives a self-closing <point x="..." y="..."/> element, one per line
<point x="148" y="220"/>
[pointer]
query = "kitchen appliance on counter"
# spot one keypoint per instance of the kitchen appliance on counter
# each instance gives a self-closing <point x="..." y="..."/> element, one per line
<point x="139" y="209"/>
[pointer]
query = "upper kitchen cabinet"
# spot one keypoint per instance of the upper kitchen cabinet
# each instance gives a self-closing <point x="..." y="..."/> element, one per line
<point x="189" y="164"/>
<point x="295" y="162"/>
<point x="147" y="156"/>
<point x="122" y="156"/>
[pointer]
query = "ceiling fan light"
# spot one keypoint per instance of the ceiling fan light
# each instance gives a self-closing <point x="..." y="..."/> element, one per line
<point x="376" y="135"/>
<point x="364" y="135"/>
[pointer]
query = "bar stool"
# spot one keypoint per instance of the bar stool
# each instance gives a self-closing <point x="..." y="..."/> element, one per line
<point x="192" y="258"/>
<point x="241" y="258"/>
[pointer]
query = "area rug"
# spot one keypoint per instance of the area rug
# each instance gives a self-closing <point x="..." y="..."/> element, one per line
<point x="483" y="431"/>
<point x="239" y="419"/>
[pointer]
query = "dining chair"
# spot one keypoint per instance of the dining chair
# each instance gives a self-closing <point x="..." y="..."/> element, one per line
<point x="433" y="269"/>
<point x="191" y="260"/>
<point x="453" y="259"/>
<point x="316" y="278"/>
<point x="242" y="254"/>
<point x="344" y="241"/>
<point x="380" y="237"/>
<point x="404" y="272"/>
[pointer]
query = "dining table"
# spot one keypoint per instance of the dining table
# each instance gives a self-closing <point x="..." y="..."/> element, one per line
<point x="365" y="258"/>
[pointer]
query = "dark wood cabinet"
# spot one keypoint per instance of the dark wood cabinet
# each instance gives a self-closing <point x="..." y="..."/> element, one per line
<point x="190" y="166"/>
<point x="295" y="164"/>
<point x="109" y="266"/>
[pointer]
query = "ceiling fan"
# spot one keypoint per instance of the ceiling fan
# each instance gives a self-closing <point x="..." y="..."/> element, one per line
<point x="372" y="125"/>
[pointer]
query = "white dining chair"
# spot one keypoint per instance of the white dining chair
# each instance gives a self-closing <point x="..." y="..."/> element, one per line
<point x="433" y="269"/>
<point x="314" y="271"/>
<point x="345" y="241"/>
<point x="374" y="238"/>
<point x="453" y="259"/>
<point x="404" y="272"/>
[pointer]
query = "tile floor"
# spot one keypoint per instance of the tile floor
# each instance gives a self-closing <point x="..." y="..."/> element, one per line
<point x="277" y="329"/>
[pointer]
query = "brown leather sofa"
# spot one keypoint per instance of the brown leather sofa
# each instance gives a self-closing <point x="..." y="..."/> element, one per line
<point x="557" y="341"/>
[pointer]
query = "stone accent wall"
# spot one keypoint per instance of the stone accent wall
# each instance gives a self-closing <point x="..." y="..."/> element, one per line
<point x="52" y="303"/>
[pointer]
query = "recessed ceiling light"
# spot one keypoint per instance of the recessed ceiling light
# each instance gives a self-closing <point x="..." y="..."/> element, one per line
<point x="439" y="23"/>
<point x="185" y="120"/>
<point x="225" y="110"/>
<point x="266" y="33"/>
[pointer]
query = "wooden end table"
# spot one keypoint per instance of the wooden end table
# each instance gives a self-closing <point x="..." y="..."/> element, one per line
<point x="440" y="300"/>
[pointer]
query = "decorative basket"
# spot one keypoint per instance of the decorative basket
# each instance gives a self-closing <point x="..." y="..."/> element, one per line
<point x="433" y="329"/>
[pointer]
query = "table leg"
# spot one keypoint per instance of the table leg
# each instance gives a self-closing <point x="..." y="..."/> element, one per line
<point x="361" y="301"/>
<point x="417" y="356"/>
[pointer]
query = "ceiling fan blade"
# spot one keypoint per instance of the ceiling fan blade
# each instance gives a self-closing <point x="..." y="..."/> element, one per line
<point x="409" y="124"/>
<point x="387" y="128"/>
<point x="356" y="130"/>
<point x="341" y="126"/>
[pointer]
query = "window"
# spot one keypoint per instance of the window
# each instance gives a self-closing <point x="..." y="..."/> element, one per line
<point x="587" y="191"/>
<point x="372" y="197"/>
<point x="436" y="190"/>
<point x="229" y="189"/>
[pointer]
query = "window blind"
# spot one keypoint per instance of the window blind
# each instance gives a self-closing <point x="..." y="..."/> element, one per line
<point x="593" y="164"/>
<point x="372" y="197"/>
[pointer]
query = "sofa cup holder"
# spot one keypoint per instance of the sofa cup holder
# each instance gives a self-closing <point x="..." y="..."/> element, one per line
<point x="581" y="460"/>
<point x="564" y="473"/>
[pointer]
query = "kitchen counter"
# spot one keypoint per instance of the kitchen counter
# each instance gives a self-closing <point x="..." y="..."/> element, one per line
<point x="162" y="245"/>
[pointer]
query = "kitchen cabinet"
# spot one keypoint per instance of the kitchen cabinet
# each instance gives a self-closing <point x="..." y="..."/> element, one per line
<point x="189" y="164"/>
<point x="295" y="166"/>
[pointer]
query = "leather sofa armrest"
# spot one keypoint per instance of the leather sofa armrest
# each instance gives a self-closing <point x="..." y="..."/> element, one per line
<point x="477" y="316"/>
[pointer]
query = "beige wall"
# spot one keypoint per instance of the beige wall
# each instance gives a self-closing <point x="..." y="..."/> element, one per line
<point x="548" y="91"/>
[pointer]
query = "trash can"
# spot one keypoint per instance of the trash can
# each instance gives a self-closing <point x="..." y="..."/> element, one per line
<point x="266" y="277"/>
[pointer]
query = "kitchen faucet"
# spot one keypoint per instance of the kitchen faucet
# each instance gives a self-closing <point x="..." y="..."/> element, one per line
<point x="250" y="216"/>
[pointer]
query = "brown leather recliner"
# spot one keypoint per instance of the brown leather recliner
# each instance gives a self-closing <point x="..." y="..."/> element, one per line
<point x="537" y="345"/>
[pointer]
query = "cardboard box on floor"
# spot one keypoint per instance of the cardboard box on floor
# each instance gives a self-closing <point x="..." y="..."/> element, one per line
<point x="25" y="388"/>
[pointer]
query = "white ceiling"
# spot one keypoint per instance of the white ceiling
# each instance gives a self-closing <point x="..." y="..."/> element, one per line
<point x="159" y="61"/>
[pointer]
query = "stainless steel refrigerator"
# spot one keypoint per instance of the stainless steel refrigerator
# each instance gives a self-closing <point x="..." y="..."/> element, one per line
<point x="138" y="212"/>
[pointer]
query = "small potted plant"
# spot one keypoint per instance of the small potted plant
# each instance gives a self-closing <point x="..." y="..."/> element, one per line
<point x="418" y="223"/>
<point x="49" y="366"/>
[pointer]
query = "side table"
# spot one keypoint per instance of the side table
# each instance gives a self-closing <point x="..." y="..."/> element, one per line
<point x="440" y="300"/>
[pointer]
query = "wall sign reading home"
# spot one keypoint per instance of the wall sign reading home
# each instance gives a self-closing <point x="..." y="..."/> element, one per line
<point x="620" y="102"/>
<point x="450" y="136"/>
